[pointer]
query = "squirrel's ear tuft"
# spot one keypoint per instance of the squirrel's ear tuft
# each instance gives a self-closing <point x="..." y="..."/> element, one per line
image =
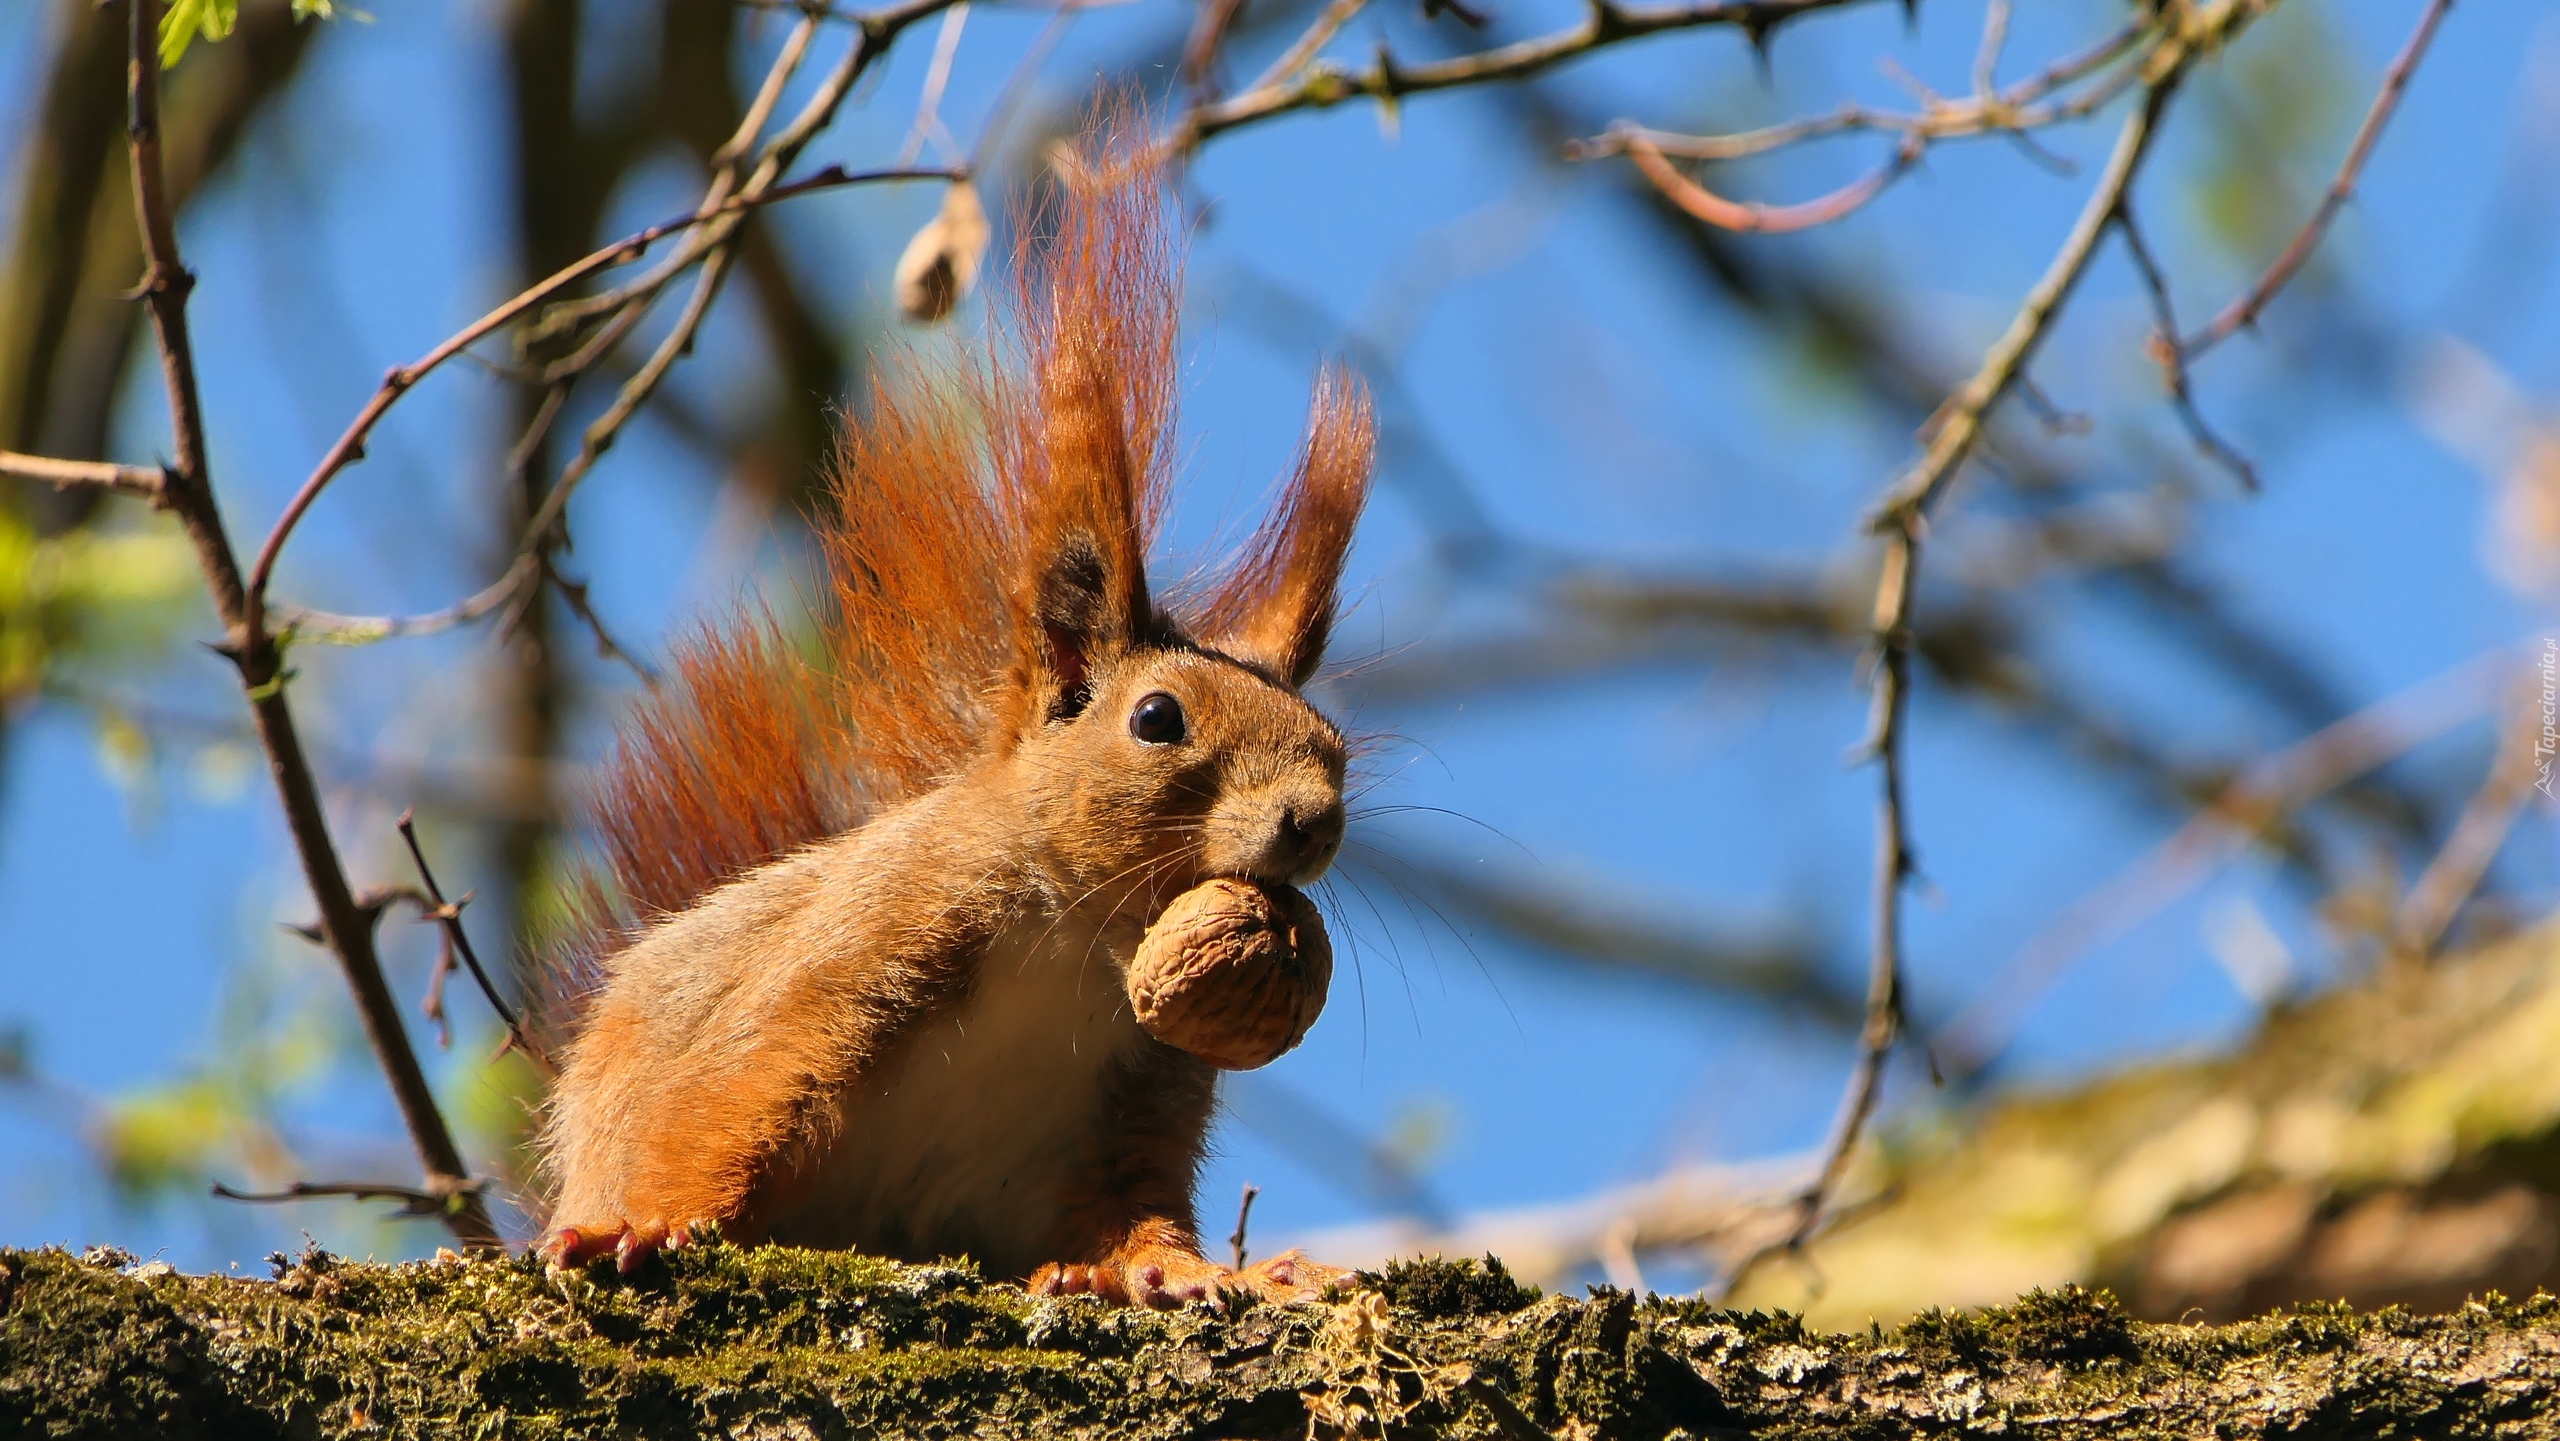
<point x="1084" y="442"/>
<point x="1084" y="583"/>
<point x="1275" y="607"/>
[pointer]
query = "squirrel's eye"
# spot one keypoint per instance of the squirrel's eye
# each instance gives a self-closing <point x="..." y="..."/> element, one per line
<point x="1157" y="721"/>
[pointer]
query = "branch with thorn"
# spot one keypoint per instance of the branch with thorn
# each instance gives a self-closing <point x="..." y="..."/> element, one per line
<point x="1244" y="1213"/>
<point x="186" y="489"/>
<point x="1901" y="523"/>
<point x="2244" y="311"/>
<point x="2115" y="62"/>
<point x="458" y="940"/>
<point x="1303" y="80"/>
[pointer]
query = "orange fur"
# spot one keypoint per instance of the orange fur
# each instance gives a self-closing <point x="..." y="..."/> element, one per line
<point x="849" y="970"/>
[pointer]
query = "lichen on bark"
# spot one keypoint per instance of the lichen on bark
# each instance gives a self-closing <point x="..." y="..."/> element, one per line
<point x="774" y="1342"/>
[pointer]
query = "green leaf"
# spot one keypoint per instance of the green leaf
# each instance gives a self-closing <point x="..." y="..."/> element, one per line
<point x="89" y="598"/>
<point x="186" y="19"/>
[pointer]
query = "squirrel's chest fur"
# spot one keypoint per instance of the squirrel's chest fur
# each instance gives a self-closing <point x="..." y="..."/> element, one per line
<point x="975" y="1132"/>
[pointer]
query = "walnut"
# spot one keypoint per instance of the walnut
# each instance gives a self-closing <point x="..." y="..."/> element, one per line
<point x="1232" y="972"/>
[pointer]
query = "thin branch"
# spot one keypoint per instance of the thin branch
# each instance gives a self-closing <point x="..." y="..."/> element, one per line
<point x="303" y="623"/>
<point x="1752" y="215"/>
<point x="1989" y="112"/>
<point x="1321" y="84"/>
<point x="1958" y="423"/>
<point x="574" y="594"/>
<point x="135" y="480"/>
<point x="2012" y="113"/>
<point x="2448" y="881"/>
<point x="2172" y="359"/>
<point x="1244" y="1213"/>
<point x="350" y="446"/>
<point x="1901" y="522"/>
<point x="440" y="1205"/>
<point x="879" y="30"/>
<point x="2245" y="310"/>
<point x="1986" y="60"/>
<point x="928" y="122"/>
<point x="1328" y="23"/>
<point x="449" y="914"/>
<point x="2244" y="810"/>
<point x="1894" y="868"/>
<point x="777" y="76"/>
<point x="187" y="490"/>
<point x="1199" y="73"/>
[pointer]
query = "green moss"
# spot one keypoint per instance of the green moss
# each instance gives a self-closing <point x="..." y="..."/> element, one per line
<point x="1436" y="1289"/>
<point x="2068" y="1326"/>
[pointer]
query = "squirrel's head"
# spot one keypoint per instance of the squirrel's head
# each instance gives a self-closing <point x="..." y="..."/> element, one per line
<point x="1164" y="749"/>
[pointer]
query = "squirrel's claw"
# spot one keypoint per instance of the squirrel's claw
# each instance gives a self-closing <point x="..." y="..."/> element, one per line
<point x="629" y="1243"/>
<point x="569" y="1247"/>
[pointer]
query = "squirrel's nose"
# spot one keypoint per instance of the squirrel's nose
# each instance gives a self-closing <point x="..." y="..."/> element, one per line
<point x="1308" y="838"/>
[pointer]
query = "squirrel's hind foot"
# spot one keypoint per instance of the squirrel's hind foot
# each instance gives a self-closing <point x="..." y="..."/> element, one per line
<point x="628" y="1242"/>
<point x="1164" y="1277"/>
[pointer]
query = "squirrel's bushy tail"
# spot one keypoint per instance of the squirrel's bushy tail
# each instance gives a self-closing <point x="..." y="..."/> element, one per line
<point x="759" y="741"/>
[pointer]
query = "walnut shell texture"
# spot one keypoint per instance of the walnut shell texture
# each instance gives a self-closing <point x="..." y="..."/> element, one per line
<point x="1233" y="972"/>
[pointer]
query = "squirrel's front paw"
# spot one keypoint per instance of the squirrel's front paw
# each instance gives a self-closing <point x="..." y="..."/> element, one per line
<point x="627" y="1242"/>
<point x="1159" y="1276"/>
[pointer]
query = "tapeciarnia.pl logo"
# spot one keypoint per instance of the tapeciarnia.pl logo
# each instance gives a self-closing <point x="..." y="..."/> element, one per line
<point x="2549" y="741"/>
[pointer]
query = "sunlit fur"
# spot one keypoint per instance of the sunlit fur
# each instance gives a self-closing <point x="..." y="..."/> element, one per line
<point x="849" y="969"/>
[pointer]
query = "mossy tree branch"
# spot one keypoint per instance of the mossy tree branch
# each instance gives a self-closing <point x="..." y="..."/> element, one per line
<point x="777" y="1342"/>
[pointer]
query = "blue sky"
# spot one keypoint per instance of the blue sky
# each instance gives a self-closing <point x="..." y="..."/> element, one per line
<point x="1556" y="362"/>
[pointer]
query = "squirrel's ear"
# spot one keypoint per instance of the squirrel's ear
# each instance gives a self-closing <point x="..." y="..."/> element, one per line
<point x="1085" y="587"/>
<point x="1275" y="608"/>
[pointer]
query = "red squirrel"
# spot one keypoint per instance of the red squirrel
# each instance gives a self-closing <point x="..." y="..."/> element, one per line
<point x="850" y="972"/>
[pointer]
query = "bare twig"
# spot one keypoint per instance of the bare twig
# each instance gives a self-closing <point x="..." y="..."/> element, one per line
<point x="716" y="245"/>
<point x="438" y="1204"/>
<point x="2448" y="881"/>
<point x="1328" y="23"/>
<point x="350" y="445"/>
<point x="303" y="623"/>
<point x="2010" y="112"/>
<point x="2268" y="790"/>
<point x="187" y="490"/>
<point x="574" y="593"/>
<point x="449" y="915"/>
<point x="1200" y="51"/>
<point x="1318" y="84"/>
<point x="1901" y="522"/>
<point x="928" y="122"/>
<point x="1244" y="1213"/>
<point x="1894" y="867"/>
<point x="2172" y="359"/>
<point x="1959" y="422"/>
<point x="1988" y="112"/>
<point x="136" y="480"/>
<point x="1752" y="215"/>
<point x="768" y="95"/>
<point x="1986" y="59"/>
<point x="2245" y="310"/>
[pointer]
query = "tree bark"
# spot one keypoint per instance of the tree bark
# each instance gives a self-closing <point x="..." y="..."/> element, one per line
<point x="777" y="1342"/>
